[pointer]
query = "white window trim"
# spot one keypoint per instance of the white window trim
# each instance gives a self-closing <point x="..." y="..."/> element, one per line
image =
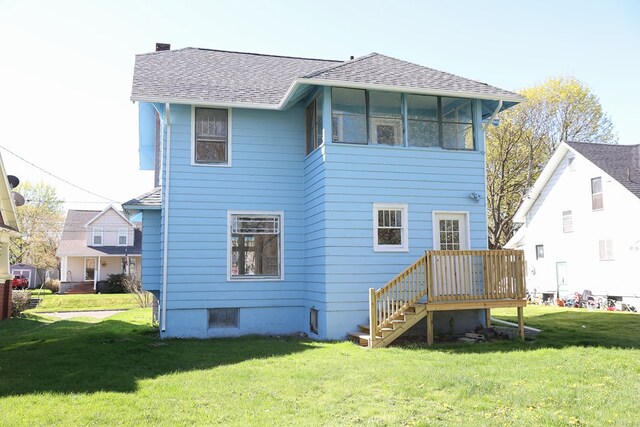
<point x="404" y="247"/>
<point x="126" y="235"/>
<point x="193" y="137"/>
<point x="230" y="249"/>
<point x="97" y="231"/>
<point x="436" y="230"/>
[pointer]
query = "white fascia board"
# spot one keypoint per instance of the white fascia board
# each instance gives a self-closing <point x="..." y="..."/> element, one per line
<point x="106" y="209"/>
<point x="408" y="89"/>
<point x="141" y="207"/>
<point x="540" y="183"/>
<point x="204" y="103"/>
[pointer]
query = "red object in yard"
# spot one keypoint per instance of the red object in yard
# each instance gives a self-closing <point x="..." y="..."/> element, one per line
<point x="611" y="309"/>
<point x="19" y="282"/>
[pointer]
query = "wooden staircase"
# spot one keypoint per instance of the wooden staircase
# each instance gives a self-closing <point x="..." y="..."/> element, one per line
<point x="444" y="281"/>
<point x="80" y="288"/>
<point x="400" y="324"/>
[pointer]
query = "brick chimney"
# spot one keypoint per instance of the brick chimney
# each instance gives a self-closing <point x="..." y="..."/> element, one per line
<point x="162" y="46"/>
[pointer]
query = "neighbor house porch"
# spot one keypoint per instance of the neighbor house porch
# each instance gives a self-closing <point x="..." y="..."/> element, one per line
<point x="89" y="270"/>
<point x="445" y="281"/>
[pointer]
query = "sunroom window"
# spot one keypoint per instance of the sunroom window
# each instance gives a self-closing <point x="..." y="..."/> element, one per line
<point x="314" y="124"/>
<point x="376" y="117"/>
<point x="385" y="118"/>
<point x="255" y="246"/>
<point x="349" y="116"/>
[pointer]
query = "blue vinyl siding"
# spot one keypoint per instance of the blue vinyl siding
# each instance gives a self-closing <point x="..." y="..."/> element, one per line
<point x="266" y="175"/>
<point x="151" y="252"/>
<point x="327" y="199"/>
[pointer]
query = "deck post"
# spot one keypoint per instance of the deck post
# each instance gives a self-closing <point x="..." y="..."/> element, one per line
<point x="487" y="317"/>
<point x="521" y="322"/>
<point x="373" y="316"/>
<point x="429" y="327"/>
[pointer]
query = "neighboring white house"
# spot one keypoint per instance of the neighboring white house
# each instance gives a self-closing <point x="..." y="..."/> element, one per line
<point x="581" y="223"/>
<point x="95" y="244"/>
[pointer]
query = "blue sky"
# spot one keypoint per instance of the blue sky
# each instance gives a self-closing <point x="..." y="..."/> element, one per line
<point x="66" y="66"/>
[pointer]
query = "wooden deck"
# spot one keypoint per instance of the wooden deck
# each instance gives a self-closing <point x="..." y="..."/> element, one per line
<point x="445" y="281"/>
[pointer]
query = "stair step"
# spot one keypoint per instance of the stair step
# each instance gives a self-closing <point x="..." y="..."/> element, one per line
<point x="363" y="328"/>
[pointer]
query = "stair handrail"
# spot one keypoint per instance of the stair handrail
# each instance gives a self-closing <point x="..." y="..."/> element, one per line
<point x="391" y="300"/>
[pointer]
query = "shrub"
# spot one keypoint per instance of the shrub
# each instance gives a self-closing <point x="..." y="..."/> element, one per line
<point x="132" y="285"/>
<point x="52" y="285"/>
<point x="113" y="285"/>
<point x="20" y="301"/>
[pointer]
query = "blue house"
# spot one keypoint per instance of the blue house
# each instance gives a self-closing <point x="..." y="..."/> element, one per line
<point x="289" y="189"/>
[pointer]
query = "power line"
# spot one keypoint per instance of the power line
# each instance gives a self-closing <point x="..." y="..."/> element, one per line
<point x="57" y="177"/>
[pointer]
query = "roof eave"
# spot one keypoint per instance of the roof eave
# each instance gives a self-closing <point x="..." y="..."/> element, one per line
<point x="418" y="90"/>
<point x="541" y="182"/>
<point x="202" y="103"/>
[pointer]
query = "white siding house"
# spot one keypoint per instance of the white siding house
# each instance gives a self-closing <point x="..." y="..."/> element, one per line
<point x="581" y="223"/>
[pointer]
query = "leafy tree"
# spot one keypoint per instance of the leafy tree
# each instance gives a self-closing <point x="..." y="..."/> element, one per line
<point x="559" y="110"/>
<point x="40" y="220"/>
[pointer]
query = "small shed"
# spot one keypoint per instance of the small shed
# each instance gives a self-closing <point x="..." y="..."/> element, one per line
<point x="34" y="275"/>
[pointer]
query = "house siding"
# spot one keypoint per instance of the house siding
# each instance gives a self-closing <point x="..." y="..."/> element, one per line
<point x="427" y="180"/>
<point x="327" y="199"/>
<point x="570" y="189"/>
<point x="267" y="175"/>
<point x="152" y="252"/>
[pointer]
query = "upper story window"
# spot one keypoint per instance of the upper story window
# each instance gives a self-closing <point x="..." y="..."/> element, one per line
<point x="390" y="228"/>
<point x="98" y="235"/>
<point x="211" y="143"/>
<point x="596" y="194"/>
<point x="567" y="222"/>
<point x="374" y="117"/>
<point x="606" y="250"/>
<point x="123" y="237"/>
<point x="539" y="251"/>
<point x="255" y="245"/>
<point x="314" y="124"/>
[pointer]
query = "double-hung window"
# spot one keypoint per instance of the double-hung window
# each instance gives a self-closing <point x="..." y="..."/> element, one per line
<point x="211" y="136"/>
<point x="596" y="194"/>
<point x="390" y="228"/>
<point x="314" y="124"/>
<point x="123" y="236"/>
<point x="97" y="237"/>
<point x="255" y="245"/>
<point x="567" y="222"/>
<point x="606" y="250"/>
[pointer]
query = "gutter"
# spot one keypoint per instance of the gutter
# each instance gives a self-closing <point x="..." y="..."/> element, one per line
<point x="165" y="249"/>
<point x="493" y="116"/>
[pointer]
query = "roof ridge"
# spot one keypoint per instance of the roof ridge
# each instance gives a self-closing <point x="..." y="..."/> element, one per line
<point x="344" y="63"/>
<point x="237" y="52"/>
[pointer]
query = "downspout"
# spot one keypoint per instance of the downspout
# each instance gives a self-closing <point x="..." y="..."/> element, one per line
<point x="493" y="116"/>
<point x="165" y="249"/>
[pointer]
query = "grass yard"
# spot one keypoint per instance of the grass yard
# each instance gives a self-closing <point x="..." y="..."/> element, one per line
<point x="584" y="369"/>
<point x="53" y="303"/>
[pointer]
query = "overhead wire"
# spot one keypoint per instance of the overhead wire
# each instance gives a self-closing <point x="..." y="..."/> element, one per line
<point x="57" y="177"/>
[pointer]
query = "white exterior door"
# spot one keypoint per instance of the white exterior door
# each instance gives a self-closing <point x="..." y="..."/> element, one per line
<point x="450" y="231"/>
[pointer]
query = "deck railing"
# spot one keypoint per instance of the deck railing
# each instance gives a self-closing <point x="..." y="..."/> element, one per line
<point x="446" y="276"/>
<point x="475" y="275"/>
<point x="386" y="303"/>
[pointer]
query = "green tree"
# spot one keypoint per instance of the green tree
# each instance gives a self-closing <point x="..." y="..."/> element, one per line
<point x="40" y="220"/>
<point x="559" y="110"/>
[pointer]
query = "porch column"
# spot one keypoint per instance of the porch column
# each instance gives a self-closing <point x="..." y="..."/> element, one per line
<point x="487" y="317"/>
<point x="63" y="269"/>
<point x="96" y="275"/>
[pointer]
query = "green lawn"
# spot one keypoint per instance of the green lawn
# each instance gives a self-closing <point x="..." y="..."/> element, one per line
<point x="584" y="369"/>
<point x="53" y="303"/>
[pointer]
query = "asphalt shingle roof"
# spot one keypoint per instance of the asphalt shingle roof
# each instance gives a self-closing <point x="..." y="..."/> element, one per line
<point x="621" y="162"/>
<point x="213" y="76"/>
<point x="74" y="238"/>
<point x="193" y="74"/>
<point x="384" y="70"/>
<point x="149" y="199"/>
